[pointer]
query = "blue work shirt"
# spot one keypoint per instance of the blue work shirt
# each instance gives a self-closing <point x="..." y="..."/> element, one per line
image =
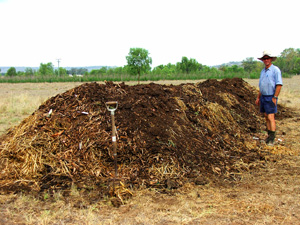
<point x="268" y="80"/>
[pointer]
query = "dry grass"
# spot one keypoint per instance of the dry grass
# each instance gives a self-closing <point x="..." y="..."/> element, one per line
<point x="270" y="195"/>
<point x="20" y="100"/>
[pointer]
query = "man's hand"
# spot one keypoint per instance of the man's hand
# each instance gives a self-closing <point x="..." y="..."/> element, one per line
<point x="257" y="101"/>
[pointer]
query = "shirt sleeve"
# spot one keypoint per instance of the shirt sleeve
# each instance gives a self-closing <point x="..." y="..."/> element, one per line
<point x="278" y="77"/>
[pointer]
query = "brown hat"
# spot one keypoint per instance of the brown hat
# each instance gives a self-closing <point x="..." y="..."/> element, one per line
<point x="268" y="53"/>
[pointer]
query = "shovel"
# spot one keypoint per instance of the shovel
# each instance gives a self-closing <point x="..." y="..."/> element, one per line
<point x="112" y="106"/>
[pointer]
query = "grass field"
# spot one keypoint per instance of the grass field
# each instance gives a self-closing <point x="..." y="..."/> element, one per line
<point x="270" y="195"/>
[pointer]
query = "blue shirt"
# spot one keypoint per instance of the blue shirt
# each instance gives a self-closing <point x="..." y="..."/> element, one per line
<point x="268" y="80"/>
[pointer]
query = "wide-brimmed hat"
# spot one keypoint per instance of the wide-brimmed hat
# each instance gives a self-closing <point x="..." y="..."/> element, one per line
<point x="267" y="53"/>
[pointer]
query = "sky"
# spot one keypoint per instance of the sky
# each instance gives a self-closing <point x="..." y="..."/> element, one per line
<point x="101" y="32"/>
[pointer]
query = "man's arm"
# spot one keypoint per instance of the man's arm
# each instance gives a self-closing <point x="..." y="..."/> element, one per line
<point x="258" y="98"/>
<point x="277" y="91"/>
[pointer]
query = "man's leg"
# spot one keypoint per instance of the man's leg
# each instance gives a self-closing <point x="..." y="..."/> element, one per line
<point x="271" y="127"/>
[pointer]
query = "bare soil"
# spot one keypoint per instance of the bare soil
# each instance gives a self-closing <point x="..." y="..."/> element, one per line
<point x="263" y="189"/>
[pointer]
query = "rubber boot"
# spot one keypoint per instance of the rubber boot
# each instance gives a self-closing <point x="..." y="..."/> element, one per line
<point x="272" y="138"/>
<point x="267" y="140"/>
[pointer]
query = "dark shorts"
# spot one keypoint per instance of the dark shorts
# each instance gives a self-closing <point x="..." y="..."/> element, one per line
<point x="267" y="105"/>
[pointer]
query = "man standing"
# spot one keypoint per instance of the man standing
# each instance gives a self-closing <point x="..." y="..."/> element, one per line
<point x="270" y="83"/>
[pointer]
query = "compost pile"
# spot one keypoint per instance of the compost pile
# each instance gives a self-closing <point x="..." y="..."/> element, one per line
<point x="167" y="135"/>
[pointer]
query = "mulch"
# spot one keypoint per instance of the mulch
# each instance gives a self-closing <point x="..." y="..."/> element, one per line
<point x="167" y="135"/>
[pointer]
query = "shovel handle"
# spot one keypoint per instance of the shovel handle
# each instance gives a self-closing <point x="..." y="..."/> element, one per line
<point x="112" y="105"/>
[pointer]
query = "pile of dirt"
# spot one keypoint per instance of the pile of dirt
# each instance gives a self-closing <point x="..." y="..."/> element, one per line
<point x="166" y="136"/>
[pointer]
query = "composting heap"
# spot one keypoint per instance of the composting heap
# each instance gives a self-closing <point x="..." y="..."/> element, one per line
<point x="166" y="135"/>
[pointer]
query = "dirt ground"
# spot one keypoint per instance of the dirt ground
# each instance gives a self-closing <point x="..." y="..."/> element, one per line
<point x="268" y="195"/>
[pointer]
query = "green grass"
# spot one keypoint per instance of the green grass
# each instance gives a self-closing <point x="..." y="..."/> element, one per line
<point x="127" y="77"/>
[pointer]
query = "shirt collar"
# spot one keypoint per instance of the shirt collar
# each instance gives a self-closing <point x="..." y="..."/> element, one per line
<point x="269" y="68"/>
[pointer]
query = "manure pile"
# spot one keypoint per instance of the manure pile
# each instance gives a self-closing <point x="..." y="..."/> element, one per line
<point x="166" y="136"/>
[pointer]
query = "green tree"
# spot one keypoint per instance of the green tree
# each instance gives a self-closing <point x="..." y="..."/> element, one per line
<point x="62" y="71"/>
<point x="289" y="53"/>
<point x="46" y="69"/>
<point x="296" y="69"/>
<point x="231" y="69"/>
<point x="114" y="70"/>
<point x="11" y="72"/>
<point x="103" y="70"/>
<point x="206" y="69"/>
<point x="249" y="64"/>
<point x="20" y="73"/>
<point x="77" y="71"/>
<point x="259" y="66"/>
<point x="188" y="65"/>
<point x="29" y="71"/>
<point x="168" y="69"/>
<point x="138" y="61"/>
<point x="157" y="70"/>
<point x="94" y="72"/>
<point x="223" y="68"/>
<point x="72" y="71"/>
<point x="288" y="61"/>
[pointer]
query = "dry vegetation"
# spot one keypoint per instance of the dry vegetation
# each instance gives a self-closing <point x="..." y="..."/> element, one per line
<point x="269" y="195"/>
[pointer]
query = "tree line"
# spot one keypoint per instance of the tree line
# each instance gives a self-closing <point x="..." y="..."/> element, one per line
<point x="139" y="63"/>
<point x="45" y="69"/>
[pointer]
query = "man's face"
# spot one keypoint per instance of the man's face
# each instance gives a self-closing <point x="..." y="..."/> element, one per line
<point x="267" y="61"/>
